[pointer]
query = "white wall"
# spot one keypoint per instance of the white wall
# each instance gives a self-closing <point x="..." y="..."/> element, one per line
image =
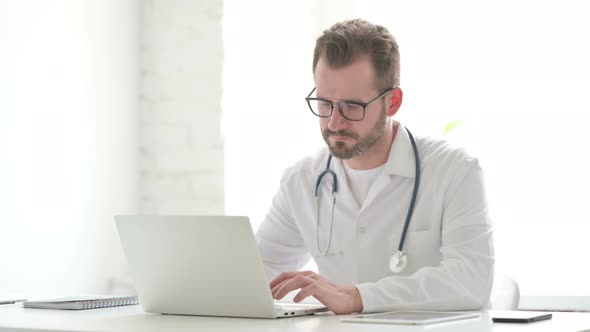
<point x="68" y="142"/>
<point x="181" y="143"/>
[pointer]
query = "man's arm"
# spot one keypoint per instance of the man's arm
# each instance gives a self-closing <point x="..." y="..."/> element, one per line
<point x="463" y="280"/>
<point x="279" y="241"/>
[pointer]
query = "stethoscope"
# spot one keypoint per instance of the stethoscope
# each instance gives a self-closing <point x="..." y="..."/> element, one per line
<point x="399" y="260"/>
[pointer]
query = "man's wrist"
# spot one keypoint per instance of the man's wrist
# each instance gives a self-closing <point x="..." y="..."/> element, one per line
<point x="357" y="301"/>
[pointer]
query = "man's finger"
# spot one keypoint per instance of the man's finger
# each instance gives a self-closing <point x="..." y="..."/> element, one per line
<point x="286" y="278"/>
<point x="276" y="288"/>
<point x="317" y="290"/>
<point x="317" y="277"/>
<point x="297" y="282"/>
<point x="282" y="277"/>
<point x="286" y="286"/>
<point x="312" y="275"/>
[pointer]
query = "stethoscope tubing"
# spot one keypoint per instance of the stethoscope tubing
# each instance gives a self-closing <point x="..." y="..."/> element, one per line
<point x="332" y="174"/>
<point x="414" y="192"/>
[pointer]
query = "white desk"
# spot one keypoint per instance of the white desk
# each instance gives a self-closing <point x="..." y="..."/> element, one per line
<point x="132" y="318"/>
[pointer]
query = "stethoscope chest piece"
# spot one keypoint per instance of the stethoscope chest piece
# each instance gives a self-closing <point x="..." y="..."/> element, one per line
<point x="398" y="262"/>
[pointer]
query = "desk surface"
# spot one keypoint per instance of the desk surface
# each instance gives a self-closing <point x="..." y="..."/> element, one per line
<point x="132" y="318"/>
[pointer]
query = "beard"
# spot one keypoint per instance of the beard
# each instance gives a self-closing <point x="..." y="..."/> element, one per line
<point x="362" y="145"/>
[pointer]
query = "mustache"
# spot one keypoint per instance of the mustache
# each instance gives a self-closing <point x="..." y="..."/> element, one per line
<point x="343" y="133"/>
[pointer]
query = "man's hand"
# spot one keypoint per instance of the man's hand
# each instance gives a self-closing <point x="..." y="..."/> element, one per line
<point x="338" y="299"/>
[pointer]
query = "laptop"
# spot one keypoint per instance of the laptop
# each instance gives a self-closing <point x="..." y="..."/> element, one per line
<point x="200" y="265"/>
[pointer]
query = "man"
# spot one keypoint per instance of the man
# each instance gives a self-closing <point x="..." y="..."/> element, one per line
<point x="448" y="243"/>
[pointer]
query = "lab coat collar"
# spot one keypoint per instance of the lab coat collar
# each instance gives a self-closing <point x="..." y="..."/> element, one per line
<point x="401" y="155"/>
<point x="400" y="162"/>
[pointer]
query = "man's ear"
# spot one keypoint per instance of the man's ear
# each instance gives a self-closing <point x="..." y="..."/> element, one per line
<point x="397" y="95"/>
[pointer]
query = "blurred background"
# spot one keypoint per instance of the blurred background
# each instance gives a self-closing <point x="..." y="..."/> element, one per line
<point x="197" y="107"/>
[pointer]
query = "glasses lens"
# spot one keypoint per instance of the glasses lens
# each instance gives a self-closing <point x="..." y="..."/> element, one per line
<point x="320" y="107"/>
<point x="352" y="111"/>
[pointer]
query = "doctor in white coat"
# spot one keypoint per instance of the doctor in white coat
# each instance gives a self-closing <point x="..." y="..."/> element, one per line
<point x="448" y="248"/>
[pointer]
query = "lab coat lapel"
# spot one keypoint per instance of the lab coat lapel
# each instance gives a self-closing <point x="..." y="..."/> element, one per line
<point x="400" y="162"/>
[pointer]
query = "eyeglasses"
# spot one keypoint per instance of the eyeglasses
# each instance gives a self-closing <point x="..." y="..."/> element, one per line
<point x="350" y="110"/>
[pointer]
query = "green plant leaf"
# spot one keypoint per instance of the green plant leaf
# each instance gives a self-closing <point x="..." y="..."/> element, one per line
<point x="453" y="125"/>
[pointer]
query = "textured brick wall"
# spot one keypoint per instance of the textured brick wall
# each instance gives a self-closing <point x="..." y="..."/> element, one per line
<point x="181" y="56"/>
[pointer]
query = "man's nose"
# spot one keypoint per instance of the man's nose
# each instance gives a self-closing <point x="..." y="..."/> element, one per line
<point x="337" y="121"/>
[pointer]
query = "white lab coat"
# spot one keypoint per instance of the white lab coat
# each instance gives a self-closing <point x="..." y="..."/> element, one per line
<point x="449" y="242"/>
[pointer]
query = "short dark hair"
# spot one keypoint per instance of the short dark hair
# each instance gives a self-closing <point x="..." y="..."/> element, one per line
<point x="346" y="41"/>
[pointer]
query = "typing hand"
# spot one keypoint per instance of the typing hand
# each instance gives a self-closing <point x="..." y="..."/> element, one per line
<point x="338" y="299"/>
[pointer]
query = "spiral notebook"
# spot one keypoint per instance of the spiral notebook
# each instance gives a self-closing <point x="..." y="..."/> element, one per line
<point x="82" y="303"/>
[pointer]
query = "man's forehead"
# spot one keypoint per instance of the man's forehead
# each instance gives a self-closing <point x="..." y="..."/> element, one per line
<point x="357" y="78"/>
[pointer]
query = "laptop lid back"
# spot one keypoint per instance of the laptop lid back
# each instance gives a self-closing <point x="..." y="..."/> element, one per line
<point x="196" y="265"/>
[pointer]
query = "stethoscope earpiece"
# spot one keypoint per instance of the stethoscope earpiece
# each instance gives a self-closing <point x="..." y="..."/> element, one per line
<point x="398" y="262"/>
